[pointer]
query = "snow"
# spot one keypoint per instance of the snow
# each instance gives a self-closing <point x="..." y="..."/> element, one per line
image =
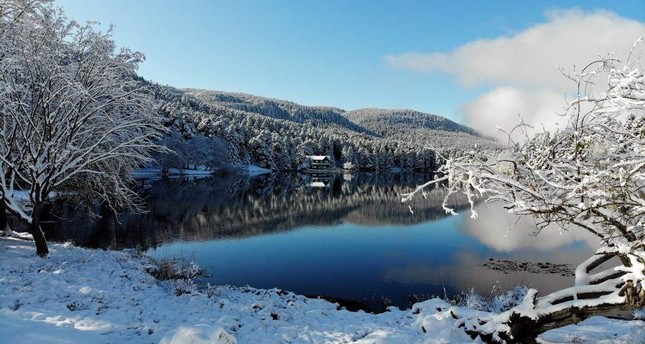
<point x="317" y="157"/>
<point x="152" y="172"/>
<point x="255" y="170"/>
<point x="200" y="171"/>
<point x="318" y="185"/>
<point x="79" y="295"/>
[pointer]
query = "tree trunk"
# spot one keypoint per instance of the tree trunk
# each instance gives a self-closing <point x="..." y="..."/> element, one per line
<point x="3" y="216"/>
<point x="524" y="330"/>
<point x="35" y="230"/>
<point x="602" y="293"/>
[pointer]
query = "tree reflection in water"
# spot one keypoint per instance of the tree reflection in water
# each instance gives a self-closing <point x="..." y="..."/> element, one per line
<point x="345" y="236"/>
<point x="234" y="206"/>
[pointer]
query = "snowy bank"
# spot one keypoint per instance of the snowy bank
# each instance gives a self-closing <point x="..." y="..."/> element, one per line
<point x="199" y="171"/>
<point x="93" y="296"/>
<point x="155" y="172"/>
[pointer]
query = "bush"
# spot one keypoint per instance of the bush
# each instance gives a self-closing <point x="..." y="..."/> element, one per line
<point x="174" y="269"/>
<point x="495" y="303"/>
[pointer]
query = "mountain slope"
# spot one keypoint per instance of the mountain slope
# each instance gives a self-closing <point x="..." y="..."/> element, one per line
<point x="214" y="128"/>
<point x="388" y="122"/>
<point x="277" y="135"/>
<point x="319" y="116"/>
<point x="420" y="128"/>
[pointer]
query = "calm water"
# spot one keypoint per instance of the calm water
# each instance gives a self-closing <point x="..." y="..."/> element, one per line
<point x="343" y="236"/>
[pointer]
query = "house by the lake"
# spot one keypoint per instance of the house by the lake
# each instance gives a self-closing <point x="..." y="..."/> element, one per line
<point x="320" y="162"/>
<point x="320" y="182"/>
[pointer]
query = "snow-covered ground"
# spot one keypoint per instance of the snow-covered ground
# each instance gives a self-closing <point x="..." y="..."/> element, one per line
<point x="78" y="295"/>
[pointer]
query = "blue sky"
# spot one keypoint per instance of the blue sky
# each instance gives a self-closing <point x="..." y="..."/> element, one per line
<point x="349" y="54"/>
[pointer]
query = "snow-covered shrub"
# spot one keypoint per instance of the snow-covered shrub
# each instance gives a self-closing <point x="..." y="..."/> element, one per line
<point x="496" y="302"/>
<point x="211" y="291"/>
<point x="175" y="269"/>
<point x="574" y="339"/>
<point x="502" y="302"/>
<point x="471" y="299"/>
<point x="179" y="272"/>
<point x="639" y="314"/>
<point x="183" y="286"/>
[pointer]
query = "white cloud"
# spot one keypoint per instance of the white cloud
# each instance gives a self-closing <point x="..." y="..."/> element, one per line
<point x="506" y="106"/>
<point x="522" y="67"/>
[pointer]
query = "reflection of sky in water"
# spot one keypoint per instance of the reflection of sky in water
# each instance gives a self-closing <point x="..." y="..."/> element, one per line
<point x="357" y="262"/>
<point x="503" y="232"/>
<point x="353" y="239"/>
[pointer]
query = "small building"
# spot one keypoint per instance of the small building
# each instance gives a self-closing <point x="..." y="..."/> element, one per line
<point x="320" y="162"/>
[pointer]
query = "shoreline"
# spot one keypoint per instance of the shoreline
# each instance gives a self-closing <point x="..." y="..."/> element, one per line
<point x="85" y="295"/>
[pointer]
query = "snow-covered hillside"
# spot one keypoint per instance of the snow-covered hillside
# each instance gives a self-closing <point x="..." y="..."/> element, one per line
<point x="215" y="128"/>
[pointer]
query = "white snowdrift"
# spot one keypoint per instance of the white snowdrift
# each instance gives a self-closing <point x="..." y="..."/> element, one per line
<point x="92" y="296"/>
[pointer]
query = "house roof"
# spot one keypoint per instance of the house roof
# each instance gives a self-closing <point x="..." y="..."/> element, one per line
<point x="318" y="157"/>
<point x="318" y="185"/>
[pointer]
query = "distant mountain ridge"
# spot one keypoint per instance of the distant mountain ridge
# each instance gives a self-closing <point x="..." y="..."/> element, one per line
<point x="211" y="128"/>
<point x="279" y="109"/>
<point x="421" y="128"/>
<point x="387" y="122"/>
<point x="372" y="121"/>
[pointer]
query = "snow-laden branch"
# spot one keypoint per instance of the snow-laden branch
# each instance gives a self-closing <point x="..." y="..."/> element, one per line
<point x="75" y="118"/>
<point x="589" y="176"/>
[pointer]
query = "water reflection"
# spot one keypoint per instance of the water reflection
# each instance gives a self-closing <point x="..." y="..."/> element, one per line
<point x="337" y="235"/>
<point x="238" y="206"/>
<point x="506" y="237"/>
<point x="507" y="233"/>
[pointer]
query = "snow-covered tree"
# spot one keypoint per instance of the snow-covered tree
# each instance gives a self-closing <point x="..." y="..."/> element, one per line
<point x="197" y="152"/>
<point x="589" y="176"/>
<point x="75" y="120"/>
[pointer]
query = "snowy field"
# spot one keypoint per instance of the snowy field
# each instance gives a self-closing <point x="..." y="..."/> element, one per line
<point x="93" y="296"/>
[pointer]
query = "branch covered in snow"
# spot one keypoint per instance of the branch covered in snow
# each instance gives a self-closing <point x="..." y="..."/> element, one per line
<point x="74" y="116"/>
<point x="589" y="176"/>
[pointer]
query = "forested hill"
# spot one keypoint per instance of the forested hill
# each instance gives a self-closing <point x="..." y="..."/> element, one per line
<point x="419" y="127"/>
<point x="387" y="122"/>
<point x="318" y="116"/>
<point x="213" y="129"/>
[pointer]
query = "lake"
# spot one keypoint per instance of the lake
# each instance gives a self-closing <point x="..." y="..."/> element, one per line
<point x="339" y="236"/>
